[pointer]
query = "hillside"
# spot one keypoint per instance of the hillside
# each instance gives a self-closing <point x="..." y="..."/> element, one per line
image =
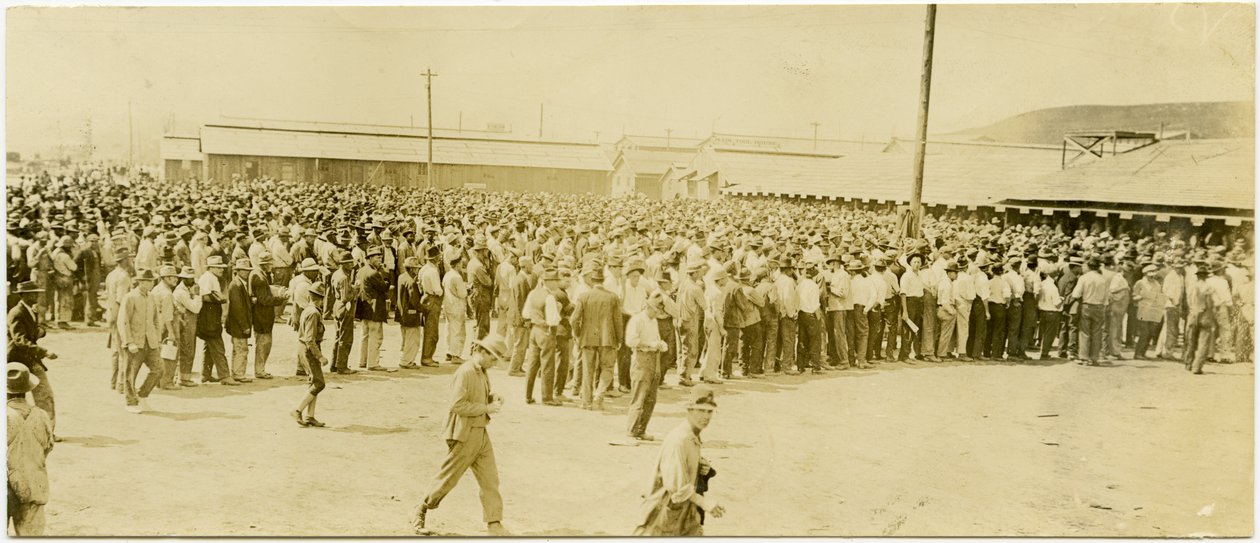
<point x="1203" y="120"/>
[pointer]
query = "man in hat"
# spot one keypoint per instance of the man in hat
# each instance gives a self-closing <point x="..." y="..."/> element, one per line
<point x="999" y="299"/>
<point x="187" y="304"/>
<point x="809" y="328"/>
<point x="633" y="290"/>
<point x="597" y="329"/>
<point x="715" y="319"/>
<point x="691" y="304"/>
<point x="946" y="311"/>
<point x="519" y="290"/>
<point x="410" y="313"/>
<point x="140" y="330"/>
<point x="1071" y="318"/>
<point x="372" y="310"/>
<point x="346" y="291"/>
<point x="240" y="318"/>
<point x="1117" y="308"/>
<point x="1148" y="296"/>
<point x="311" y="334"/>
<point x="455" y="309"/>
<point x="64" y="268"/>
<point x="1174" y="291"/>
<point x="281" y="258"/>
<point x="163" y="296"/>
<point x="644" y="340"/>
<point x="468" y="442"/>
<point x="430" y="280"/>
<point x="1200" y="320"/>
<point x="1091" y="292"/>
<point x="89" y="277"/>
<point x="863" y="295"/>
<point x="837" y="305"/>
<point x="25" y="331"/>
<point x="672" y="506"/>
<point x="481" y="286"/>
<point x="210" y="323"/>
<point x="1050" y="308"/>
<point x="767" y="290"/>
<point x="542" y="310"/>
<point x="30" y="439"/>
<point x="911" y="290"/>
<point x="876" y="310"/>
<point x="265" y="302"/>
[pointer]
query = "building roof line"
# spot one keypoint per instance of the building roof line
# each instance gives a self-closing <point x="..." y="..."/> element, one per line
<point x="406" y="136"/>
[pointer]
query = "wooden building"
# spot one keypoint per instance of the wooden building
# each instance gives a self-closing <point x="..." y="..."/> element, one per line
<point x="181" y="158"/>
<point x="398" y="157"/>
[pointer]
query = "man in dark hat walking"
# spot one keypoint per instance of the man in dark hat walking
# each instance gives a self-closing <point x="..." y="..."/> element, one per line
<point x="25" y="331"/>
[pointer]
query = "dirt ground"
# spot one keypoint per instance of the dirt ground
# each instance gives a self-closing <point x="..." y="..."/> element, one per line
<point x="1139" y="449"/>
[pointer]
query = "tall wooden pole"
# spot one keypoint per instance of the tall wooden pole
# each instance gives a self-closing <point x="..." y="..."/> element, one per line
<point x="920" y="144"/>
<point x="428" y="89"/>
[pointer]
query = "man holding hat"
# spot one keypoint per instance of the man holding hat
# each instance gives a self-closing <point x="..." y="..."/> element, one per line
<point x="673" y="507"/>
<point x="1148" y="296"/>
<point x="468" y="442"/>
<point x="410" y="312"/>
<point x="25" y="331"/>
<point x="311" y="334"/>
<point x="140" y="332"/>
<point x="30" y="439"/>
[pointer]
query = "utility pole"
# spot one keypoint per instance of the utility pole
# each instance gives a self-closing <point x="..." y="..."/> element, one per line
<point x="540" y="121"/>
<point x="428" y="89"/>
<point x="920" y="144"/>
<point x="815" y="123"/>
<point x="668" y="133"/>
<point x="131" y="140"/>
<point x="461" y="122"/>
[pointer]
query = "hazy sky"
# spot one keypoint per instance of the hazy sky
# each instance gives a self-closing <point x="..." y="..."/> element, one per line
<point x="752" y="70"/>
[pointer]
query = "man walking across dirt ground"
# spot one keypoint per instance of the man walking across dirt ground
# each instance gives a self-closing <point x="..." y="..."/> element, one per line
<point x="468" y="444"/>
<point x="673" y="507"/>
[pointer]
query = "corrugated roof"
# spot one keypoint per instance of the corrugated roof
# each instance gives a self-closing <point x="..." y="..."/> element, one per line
<point x="1201" y="173"/>
<point x="653" y="162"/>
<point x="226" y="140"/>
<point x="180" y="148"/>
<point x="980" y="179"/>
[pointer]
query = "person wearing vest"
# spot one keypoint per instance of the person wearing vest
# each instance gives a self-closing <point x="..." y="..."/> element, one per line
<point x="141" y="333"/>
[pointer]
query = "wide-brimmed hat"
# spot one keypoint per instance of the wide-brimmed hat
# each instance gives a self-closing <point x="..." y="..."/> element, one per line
<point x="550" y="274"/>
<point x="433" y="252"/>
<point x="317" y="290"/>
<point x="374" y="251"/>
<point x="264" y="258"/>
<point x="215" y="261"/>
<point x="855" y="265"/>
<point x="308" y="264"/>
<point x="187" y="273"/>
<point x="635" y="264"/>
<point x="494" y="345"/>
<point x="346" y="258"/>
<point x="1150" y="269"/>
<point x="28" y="287"/>
<point x="20" y="379"/>
<point x="147" y="274"/>
<point x="702" y="398"/>
<point x="243" y="264"/>
<point x="411" y="262"/>
<point x="167" y="271"/>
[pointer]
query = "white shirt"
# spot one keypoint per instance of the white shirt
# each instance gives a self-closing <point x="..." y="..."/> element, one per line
<point x="1048" y="298"/>
<point x="808" y="291"/>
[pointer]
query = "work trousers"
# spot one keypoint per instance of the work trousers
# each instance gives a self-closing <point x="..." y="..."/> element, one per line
<point x="1069" y="340"/>
<point x="597" y="367"/>
<point x="564" y="354"/>
<point x="1014" y="327"/>
<point x="623" y="360"/>
<point x="753" y="347"/>
<point x="861" y="333"/>
<point x="1223" y="329"/>
<point x="43" y="394"/>
<point x="809" y="341"/>
<point x="146" y="357"/>
<point x="788" y="328"/>
<point x="927" y="334"/>
<point x="262" y="351"/>
<point x="432" y="314"/>
<point x="65" y="302"/>
<point x="1199" y="337"/>
<point x="997" y="331"/>
<point x="979" y="329"/>
<point x="945" y="323"/>
<point x="643" y="386"/>
<point x="962" y="325"/>
<point x="541" y="353"/>
<point x="770" y="337"/>
<point x="477" y="453"/>
<point x="118" y="359"/>
<point x="1028" y="336"/>
<point x="456" y="334"/>
<point x="27" y="517"/>
<point x="481" y="315"/>
<point x="1145" y="334"/>
<point x="910" y="339"/>
<point x="344" y="343"/>
<point x="186" y="345"/>
<point x="689" y="348"/>
<point x="410" y="344"/>
<point x="240" y="357"/>
<point x="669" y="358"/>
<point x="520" y="344"/>
<point x="214" y="360"/>
<point x="1093" y="317"/>
<point x="875" y="333"/>
<point x="1049" y="330"/>
<point x="1172" y="330"/>
<point x="730" y="351"/>
<point x="370" y="349"/>
<point x="839" y="335"/>
<point x="315" y="373"/>
<point x="892" y="327"/>
<point x="711" y="362"/>
<point x="1117" y="314"/>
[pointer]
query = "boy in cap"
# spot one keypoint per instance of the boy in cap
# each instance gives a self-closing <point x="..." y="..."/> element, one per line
<point x="673" y="507"/>
<point x="30" y="439"/>
<point x="310" y="334"/>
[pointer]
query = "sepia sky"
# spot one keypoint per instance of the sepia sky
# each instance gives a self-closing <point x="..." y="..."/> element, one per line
<point x="751" y="70"/>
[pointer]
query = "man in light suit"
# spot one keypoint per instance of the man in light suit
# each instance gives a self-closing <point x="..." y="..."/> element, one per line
<point x="467" y="441"/>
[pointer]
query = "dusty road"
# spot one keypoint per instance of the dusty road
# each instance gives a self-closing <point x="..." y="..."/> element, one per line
<point x="1140" y="449"/>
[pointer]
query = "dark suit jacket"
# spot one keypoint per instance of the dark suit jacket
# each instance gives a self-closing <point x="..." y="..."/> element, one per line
<point x="264" y="302"/>
<point x="240" y="315"/>
<point x="373" y="293"/>
<point x="597" y="319"/>
<point x="410" y="314"/>
<point x="24" y="333"/>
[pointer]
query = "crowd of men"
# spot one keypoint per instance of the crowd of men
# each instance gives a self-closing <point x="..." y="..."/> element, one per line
<point x="597" y="296"/>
